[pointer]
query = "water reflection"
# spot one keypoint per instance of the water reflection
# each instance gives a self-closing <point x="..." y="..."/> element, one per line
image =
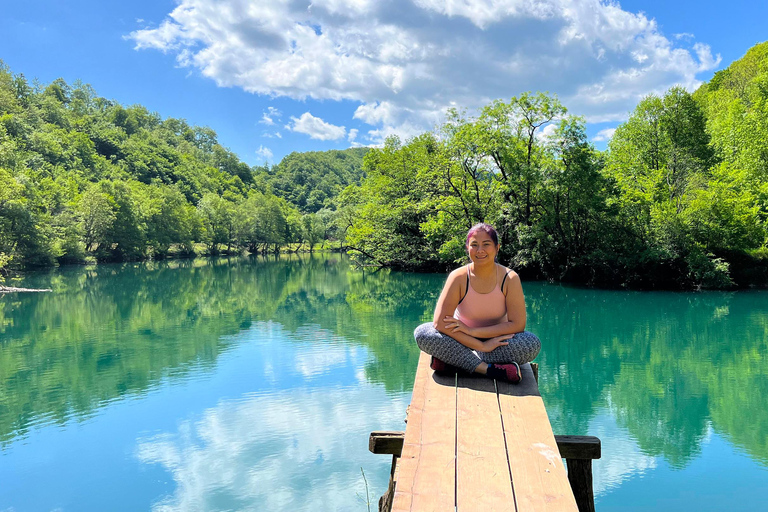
<point x="291" y="450"/>
<point x="666" y="364"/>
<point x="623" y="460"/>
<point x="656" y="375"/>
<point x="115" y="330"/>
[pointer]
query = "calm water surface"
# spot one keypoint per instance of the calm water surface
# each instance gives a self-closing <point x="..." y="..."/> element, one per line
<point x="252" y="384"/>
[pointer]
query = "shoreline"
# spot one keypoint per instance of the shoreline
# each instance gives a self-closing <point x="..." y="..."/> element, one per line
<point x="526" y="274"/>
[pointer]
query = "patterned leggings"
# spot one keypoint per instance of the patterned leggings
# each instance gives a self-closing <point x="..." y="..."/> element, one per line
<point x="523" y="348"/>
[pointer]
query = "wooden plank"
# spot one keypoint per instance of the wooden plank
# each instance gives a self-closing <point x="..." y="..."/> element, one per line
<point x="538" y="475"/>
<point x="483" y="476"/>
<point x="427" y="466"/>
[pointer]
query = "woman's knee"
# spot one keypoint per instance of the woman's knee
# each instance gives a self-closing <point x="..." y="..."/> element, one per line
<point x="530" y="343"/>
<point x="425" y="334"/>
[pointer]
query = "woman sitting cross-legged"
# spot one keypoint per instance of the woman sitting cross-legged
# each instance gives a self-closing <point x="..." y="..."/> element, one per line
<point x="479" y="319"/>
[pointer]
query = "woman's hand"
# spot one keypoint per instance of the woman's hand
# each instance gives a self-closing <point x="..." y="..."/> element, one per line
<point x="494" y="343"/>
<point x="453" y="324"/>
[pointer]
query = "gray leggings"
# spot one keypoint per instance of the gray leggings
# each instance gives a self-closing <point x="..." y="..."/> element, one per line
<point x="523" y="348"/>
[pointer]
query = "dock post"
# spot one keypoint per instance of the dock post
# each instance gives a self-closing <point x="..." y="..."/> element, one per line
<point x="580" y="477"/>
<point x="390" y="443"/>
<point x="579" y="452"/>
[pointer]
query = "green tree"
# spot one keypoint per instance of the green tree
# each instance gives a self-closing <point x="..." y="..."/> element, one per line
<point x="169" y="218"/>
<point x="313" y="230"/>
<point x="312" y="180"/>
<point x="97" y="214"/>
<point x="216" y="216"/>
<point x="662" y="163"/>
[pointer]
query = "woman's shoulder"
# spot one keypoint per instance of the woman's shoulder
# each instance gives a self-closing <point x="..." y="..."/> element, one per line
<point x="459" y="272"/>
<point x="507" y="275"/>
<point x="458" y="276"/>
<point x="501" y="270"/>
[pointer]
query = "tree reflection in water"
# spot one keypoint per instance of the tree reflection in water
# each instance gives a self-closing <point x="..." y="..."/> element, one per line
<point x="666" y="365"/>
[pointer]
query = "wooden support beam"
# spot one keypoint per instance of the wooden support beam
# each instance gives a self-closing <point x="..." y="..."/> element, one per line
<point x="390" y="442"/>
<point x="580" y="478"/>
<point x="386" y="441"/>
<point x="578" y="452"/>
<point x="385" y="502"/>
<point x="578" y="447"/>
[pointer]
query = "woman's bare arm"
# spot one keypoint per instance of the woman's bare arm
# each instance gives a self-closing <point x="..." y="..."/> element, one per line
<point x="446" y="306"/>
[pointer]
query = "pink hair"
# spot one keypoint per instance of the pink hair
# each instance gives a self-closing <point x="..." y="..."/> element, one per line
<point x="486" y="228"/>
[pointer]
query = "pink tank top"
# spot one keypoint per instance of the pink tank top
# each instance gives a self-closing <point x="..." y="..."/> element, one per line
<point x="482" y="309"/>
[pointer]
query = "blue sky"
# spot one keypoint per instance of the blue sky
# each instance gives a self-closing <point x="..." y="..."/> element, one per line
<point x="275" y="76"/>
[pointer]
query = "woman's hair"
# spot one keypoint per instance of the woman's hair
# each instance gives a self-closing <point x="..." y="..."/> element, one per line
<point x="487" y="228"/>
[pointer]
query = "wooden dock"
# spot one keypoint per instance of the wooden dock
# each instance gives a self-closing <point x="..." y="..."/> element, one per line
<point x="472" y="443"/>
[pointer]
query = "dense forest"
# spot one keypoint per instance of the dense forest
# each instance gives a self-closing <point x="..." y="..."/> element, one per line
<point x="84" y="177"/>
<point x="679" y="199"/>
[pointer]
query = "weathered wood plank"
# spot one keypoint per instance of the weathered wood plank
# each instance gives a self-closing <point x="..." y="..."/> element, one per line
<point x="538" y="475"/>
<point x="483" y="476"/>
<point x="579" y="447"/>
<point x="428" y="458"/>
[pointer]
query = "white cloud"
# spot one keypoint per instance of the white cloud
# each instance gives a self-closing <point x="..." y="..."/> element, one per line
<point x="406" y="61"/>
<point x="376" y="113"/>
<point x="704" y="54"/>
<point x="604" y="135"/>
<point x="546" y="132"/>
<point x="268" y="117"/>
<point x="352" y="135"/>
<point x="316" y="128"/>
<point x="264" y="153"/>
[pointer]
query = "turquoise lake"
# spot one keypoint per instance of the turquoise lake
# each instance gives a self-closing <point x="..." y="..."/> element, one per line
<point x="253" y="384"/>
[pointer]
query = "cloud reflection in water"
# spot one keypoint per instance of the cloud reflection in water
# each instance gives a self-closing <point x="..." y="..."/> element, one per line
<point x="297" y="449"/>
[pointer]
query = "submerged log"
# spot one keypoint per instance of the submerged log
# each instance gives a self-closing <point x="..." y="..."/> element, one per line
<point x="13" y="289"/>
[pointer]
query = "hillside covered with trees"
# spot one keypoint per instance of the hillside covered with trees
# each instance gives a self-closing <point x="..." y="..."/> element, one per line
<point x="312" y="180"/>
<point x="85" y="177"/>
<point x="679" y="200"/>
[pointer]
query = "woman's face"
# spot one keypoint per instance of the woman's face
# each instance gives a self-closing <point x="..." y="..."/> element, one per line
<point x="481" y="248"/>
